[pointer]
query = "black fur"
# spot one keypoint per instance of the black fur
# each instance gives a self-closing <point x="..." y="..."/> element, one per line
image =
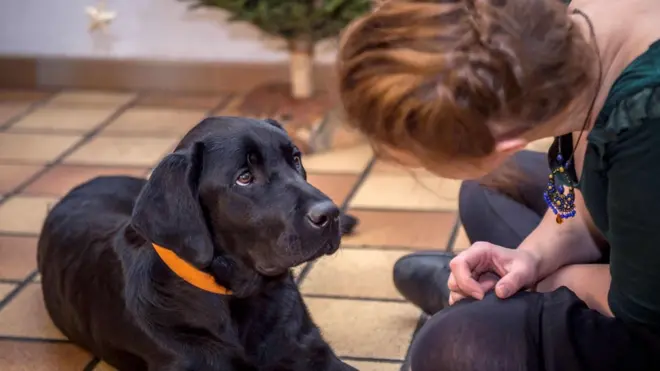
<point x="109" y="292"/>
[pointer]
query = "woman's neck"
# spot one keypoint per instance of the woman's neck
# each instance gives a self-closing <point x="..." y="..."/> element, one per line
<point x="609" y="63"/>
<point x="617" y="44"/>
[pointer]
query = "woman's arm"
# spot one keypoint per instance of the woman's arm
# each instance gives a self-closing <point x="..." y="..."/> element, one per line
<point x="590" y="282"/>
<point x="574" y="241"/>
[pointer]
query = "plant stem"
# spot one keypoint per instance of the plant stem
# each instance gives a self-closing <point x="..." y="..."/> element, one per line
<point x="301" y="68"/>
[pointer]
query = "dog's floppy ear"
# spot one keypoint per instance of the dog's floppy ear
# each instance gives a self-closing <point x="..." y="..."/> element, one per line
<point x="275" y="123"/>
<point x="167" y="211"/>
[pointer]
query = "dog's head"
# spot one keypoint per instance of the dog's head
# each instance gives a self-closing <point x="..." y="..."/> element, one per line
<point x="233" y="199"/>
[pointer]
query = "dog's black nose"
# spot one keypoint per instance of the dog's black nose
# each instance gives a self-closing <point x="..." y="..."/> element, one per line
<point x="322" y="213"/>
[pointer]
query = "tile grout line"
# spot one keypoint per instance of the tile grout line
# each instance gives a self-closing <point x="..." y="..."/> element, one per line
<point x="349" y="246"/>
<point x="370" y="359"/>
<point x="354" y="298"/>
<point x="140" y="167"/>
<point x="23" y="339"/>
<point x="92" y="364"/>
<point x="223" y="102"/>
<point x="344" y="206"/>
<point x="17" y="290"/>
<point x="82" y="165"/>
<point x="454" y="234"/>
<point x="346" y="173"/>
<point x="423" y="316"/>
<point x="90" y="135"/>
<point x="18" y="234"/>
<point x="358" y="183"/>
<point x="31" y="108"/>
<point x="84" y="140"/>
<point x="403" y="210"/>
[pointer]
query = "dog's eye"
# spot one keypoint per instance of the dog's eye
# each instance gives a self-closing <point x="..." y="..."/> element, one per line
<point x="245" y="178"/>
<point x="297" y="161"/>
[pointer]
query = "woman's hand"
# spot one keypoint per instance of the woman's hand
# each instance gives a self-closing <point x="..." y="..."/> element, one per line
<point x="479" y="268"/>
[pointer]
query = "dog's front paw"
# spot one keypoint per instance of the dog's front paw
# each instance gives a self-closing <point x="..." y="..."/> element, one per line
<point x="347" y="223"/>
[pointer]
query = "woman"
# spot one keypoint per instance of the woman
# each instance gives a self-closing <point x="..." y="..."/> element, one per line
<point x="461" y="87"/>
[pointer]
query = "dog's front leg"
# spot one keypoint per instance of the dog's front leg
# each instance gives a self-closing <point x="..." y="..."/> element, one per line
<point x="193" y="364"/>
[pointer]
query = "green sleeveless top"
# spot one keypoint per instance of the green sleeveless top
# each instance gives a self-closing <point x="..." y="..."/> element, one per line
<point x="620" y="183"/>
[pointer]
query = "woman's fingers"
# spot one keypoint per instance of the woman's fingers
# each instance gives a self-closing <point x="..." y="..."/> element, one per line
<point x="464" y="279"/>
<point x="463" y="268"/>
<point x="455" y="293"/>
<point x="451" y="283"/>
<point x="455" y="297"/>
<point x="487" y="281"/>
<point x="511" y="283"/>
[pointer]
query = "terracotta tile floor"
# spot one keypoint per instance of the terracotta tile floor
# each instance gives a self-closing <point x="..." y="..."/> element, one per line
<point x="50" y="142"/>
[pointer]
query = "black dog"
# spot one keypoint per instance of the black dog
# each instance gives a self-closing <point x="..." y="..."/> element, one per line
<point x="233" y="201"/>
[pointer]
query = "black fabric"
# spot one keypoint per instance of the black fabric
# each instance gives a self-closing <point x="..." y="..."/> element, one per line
<point x="529" y="332"/>
<point x="487" y="215"/>
<point x="620" y="181"/>
<point x="490" y="216"/>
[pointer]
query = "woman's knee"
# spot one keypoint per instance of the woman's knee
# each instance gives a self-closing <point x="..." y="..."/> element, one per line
<point x="444" y="342"/>
<point x="470" y="336"/>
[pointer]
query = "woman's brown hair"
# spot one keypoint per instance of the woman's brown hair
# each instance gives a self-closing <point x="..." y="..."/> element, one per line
<point x="428" y="76"/>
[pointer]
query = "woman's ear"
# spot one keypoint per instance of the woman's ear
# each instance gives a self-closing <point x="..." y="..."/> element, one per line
<point x="510" y="146"/>
<point x="167" y="211"/>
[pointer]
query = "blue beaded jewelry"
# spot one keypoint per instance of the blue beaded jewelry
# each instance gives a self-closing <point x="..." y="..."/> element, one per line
<point x="560" y="199"/>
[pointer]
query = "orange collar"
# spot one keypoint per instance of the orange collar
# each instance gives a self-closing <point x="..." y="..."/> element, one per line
<point x="188" y="273"/>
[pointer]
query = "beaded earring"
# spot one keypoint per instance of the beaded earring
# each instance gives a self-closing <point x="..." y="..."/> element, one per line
<point x="561" y="203"/>
<point x="561" y="199"/>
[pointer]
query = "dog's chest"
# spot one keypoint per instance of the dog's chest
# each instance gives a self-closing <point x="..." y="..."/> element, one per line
<point x="267" y="327"/>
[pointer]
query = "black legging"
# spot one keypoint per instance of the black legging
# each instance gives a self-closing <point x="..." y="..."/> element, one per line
<point x="488" y="215"/>
<point x="530" y="331"/>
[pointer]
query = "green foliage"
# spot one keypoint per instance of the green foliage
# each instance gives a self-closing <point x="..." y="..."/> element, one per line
<point x="311" y="20"/>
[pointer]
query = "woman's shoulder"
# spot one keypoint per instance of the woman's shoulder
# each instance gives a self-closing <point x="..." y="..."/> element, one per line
<point x="634" y="111"/>
<point x="633" y="99"/>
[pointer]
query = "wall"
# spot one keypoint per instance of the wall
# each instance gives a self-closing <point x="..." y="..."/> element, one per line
<point x="143" y="29"/>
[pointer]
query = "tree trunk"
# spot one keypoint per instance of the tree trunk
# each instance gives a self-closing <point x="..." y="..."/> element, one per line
<point x="301" y="68"/>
